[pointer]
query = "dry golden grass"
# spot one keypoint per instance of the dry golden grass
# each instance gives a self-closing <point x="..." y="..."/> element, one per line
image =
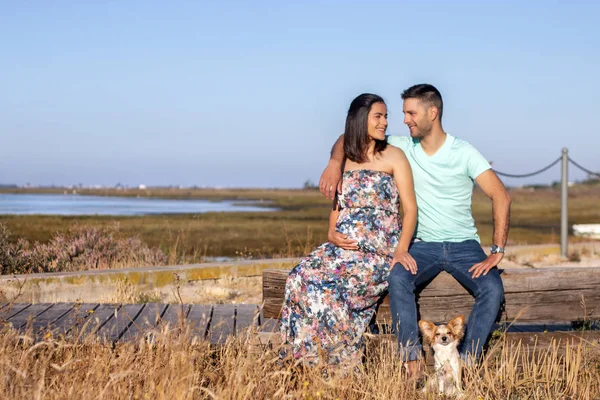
<point x="172" y="366"/>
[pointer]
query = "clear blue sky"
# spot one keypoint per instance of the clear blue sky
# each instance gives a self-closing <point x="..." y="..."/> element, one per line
<point x="253" y="93"/>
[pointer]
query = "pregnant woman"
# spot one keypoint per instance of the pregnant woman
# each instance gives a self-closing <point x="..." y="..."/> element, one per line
<point x="331" y="296"/>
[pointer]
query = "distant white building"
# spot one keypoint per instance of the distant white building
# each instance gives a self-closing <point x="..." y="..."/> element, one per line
<point x="142" y="187"/>
<point x="591" y="231"/>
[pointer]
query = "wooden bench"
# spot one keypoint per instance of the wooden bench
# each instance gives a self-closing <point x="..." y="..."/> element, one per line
<point x="547" y="296"/>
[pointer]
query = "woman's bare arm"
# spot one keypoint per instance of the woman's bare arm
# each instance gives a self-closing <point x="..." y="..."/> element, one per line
<point x="404" y="183"/>
<point x="331" y="178"/>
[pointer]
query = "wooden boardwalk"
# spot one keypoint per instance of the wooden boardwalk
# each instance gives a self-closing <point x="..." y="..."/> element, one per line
<point x="125" y="322"/>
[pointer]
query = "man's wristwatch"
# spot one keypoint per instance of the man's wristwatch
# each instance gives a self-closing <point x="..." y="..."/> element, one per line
<point x="496" y="249"/>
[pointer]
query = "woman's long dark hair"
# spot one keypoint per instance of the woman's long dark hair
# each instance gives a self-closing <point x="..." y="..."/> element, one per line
<point x="356" y="136"/>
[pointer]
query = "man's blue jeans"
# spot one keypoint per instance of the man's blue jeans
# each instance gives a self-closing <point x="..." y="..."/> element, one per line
<point x="456" y="259"/>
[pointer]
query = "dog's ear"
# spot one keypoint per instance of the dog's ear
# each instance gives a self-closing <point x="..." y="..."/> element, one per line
<point x="457" y="326"/>
<point x="428" y="329"/>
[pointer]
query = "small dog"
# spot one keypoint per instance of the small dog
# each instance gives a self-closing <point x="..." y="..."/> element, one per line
<point x="444" y="340"/>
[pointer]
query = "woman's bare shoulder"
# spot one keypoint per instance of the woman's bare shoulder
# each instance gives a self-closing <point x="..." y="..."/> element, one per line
<point x="394" y="153"/>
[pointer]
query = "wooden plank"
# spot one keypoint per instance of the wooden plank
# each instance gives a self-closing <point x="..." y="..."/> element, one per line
<point x="564" y="305"/>
<point x="145" y="321"/>
<point x="116" y="326"/>
<point x="273" y="291"/>
<point x="270" y="325"/>
<point x="100" y="316"/>
<point x="246" y="316"/>
<point x="21" y="319"/>
<point x="174" y="315"/>
<point x="515" y="280"/>
<point x="266" y="336"/>
<point x="13" y="309"/>
<point x="542" y="293"/>
<point x="221" y="323"/>
<point x="45" y="321"/>
<point x="198" y="319"/>
<point x="555" y="305"/>
<point x="75" y="318"/>
<point x="536" y="327"/>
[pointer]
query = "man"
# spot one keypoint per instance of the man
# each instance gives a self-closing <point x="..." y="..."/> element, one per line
<point x="444" y="169"/>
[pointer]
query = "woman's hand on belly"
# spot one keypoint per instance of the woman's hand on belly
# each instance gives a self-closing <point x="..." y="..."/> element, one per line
<point x="342" y="241"/>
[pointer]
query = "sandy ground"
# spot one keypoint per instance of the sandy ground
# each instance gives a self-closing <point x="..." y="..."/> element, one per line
<point x="538" y="256"/>
<point x="246" y="290"/>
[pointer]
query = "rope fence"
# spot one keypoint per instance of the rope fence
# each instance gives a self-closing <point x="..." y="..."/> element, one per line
<point x="584" y="169"/>
<point x="564" y="159"/>
<point x="547" y="167"/>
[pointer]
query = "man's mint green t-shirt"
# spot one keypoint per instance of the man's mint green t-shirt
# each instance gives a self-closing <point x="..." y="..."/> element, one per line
<point x="443" y="187"/>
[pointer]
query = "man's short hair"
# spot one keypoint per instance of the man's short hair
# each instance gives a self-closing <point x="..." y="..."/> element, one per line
<point x="427" y="93"/>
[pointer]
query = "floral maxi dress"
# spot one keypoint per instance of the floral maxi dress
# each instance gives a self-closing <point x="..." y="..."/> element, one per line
<point x="330" y="297"/>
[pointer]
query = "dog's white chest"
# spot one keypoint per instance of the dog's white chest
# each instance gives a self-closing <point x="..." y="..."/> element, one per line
<point x="447" y="369"/>
<point x="446" y="355"/>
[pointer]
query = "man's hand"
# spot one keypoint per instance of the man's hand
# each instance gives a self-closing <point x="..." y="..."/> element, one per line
<point x="484" y="267"/>
<point x="331" y="180"/>
<point x="407" y="261"/>
<point x="342" y="241"/>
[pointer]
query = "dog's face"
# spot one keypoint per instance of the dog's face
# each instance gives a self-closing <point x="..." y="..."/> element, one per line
<point x="443" y="335"/>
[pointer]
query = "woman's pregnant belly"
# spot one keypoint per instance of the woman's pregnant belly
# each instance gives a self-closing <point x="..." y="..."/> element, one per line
<point x="375" y="230"/>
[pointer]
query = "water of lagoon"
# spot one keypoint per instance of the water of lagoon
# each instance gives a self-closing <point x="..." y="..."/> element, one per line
<point x="70" y="204"/>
